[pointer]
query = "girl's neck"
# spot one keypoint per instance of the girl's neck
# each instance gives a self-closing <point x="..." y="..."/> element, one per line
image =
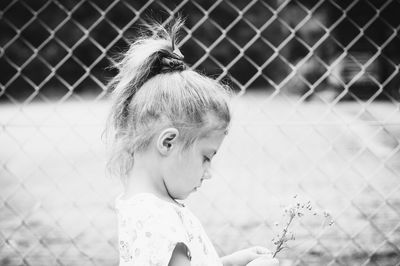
<point x="144" y="179"/>
<point x="140" y="181"/>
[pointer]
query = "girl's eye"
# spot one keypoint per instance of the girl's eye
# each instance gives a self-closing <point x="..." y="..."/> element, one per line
<point x="206" y="159"/>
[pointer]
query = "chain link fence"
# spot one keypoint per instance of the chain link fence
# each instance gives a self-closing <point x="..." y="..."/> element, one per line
<point x="316" y="115"/>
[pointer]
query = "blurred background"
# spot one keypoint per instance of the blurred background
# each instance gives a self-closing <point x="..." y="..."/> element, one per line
<point x="316" y="118"/>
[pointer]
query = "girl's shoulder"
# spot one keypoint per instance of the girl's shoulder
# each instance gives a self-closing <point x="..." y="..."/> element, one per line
<point x="148" y="206"/>
<point x="149" y="229"/>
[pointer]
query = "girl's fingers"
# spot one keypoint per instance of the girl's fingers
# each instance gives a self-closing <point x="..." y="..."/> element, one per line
<point x="264" y="261"/>
<point x="270" y="261"/>
<point x="262" y="250"/>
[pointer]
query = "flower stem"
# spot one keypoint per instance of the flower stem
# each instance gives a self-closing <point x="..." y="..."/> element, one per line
<point x="283" y="239"/>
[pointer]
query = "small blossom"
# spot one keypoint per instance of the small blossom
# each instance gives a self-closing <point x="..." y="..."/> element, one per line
<point x="292" y="211"/>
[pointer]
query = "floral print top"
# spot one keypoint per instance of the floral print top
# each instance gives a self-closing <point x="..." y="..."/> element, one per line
<point x="149" y="229"/>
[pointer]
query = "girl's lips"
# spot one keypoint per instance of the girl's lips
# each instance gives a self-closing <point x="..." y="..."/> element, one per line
<point x="196" y="188"/>
<point x="201" y="182"/>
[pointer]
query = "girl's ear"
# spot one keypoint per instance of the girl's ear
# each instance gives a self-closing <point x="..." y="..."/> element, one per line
<point x="167" y="140"/>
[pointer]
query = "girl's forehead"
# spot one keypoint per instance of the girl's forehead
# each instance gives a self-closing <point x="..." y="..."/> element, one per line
<point x="212" y="140"/>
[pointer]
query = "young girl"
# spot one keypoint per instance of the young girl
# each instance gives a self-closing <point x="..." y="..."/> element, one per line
<point x="167" y="123"/>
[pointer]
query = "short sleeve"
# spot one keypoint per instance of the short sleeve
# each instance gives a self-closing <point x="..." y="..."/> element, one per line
<point x="149" y="236"/>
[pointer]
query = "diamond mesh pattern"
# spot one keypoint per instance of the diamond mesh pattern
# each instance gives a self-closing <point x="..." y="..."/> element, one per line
<point x="317" y="114"/>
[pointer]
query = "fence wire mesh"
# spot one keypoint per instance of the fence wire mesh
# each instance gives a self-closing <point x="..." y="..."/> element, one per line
<point x="317" y="115"/>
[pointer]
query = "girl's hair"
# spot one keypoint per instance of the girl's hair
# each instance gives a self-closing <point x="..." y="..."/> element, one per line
<point x="154" y="89"/>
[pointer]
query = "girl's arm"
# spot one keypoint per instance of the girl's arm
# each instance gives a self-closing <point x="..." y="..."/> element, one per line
<point x="253" y="256"/>
<point x="226" y="261"/>
<point x="179" y="256"/>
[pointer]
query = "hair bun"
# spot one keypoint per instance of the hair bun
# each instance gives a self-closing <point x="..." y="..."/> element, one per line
<point x="176" y="53"/>
<point x="172" y="61"/>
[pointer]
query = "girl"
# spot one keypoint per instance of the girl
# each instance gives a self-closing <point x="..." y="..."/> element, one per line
<point x="167" y="123"/>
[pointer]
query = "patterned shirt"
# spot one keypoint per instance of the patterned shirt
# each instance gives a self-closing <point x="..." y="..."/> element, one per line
<point x="149" y="229"/>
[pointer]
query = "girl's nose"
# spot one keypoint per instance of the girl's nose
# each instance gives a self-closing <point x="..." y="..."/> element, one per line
<point x="207" y="174"/>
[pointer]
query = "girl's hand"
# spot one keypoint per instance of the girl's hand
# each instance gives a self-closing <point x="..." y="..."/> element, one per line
<point x="251" y="256"/>
<point x="264" y="261"/>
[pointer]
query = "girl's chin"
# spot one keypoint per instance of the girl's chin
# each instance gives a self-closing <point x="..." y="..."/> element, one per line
<point x="184" y="196"/>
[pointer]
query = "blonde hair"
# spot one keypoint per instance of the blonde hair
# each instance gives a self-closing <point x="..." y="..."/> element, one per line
<point x="151" y="93"/>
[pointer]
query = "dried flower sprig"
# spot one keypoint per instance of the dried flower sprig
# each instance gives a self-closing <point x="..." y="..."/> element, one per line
<point x="282" y="239"/>
<point x="293" y="211"/>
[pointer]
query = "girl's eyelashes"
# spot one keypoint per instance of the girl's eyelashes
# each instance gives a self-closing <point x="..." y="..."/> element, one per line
<point x="206" y="159"/>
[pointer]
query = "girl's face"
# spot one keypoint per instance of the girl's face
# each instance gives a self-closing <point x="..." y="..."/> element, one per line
<point x="187" y="169"/>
